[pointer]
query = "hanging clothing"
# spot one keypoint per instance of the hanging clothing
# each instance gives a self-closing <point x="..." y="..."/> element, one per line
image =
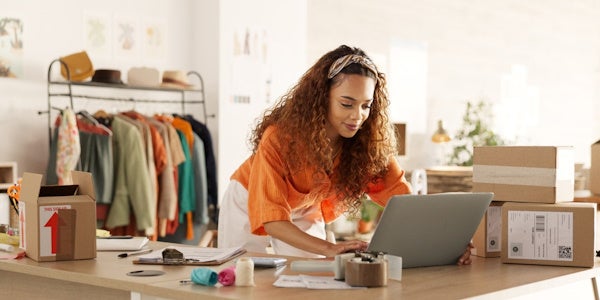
<point x="68" y="147"/>
<point x="211" y="167"/>
<point x="200" y="181"/>
<point x="133" y="183"/>
<point x="97" y="158"/>
<point x="167" y="196"/>
<point x="187" y="194"/>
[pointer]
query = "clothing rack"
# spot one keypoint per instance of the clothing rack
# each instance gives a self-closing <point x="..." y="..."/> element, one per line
<point x="183" y="97"/>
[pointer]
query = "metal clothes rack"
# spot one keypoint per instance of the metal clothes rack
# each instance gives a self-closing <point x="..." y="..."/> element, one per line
<point x="196" y="94"/>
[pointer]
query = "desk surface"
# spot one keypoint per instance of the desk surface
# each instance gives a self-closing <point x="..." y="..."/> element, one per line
<point x="486" y="278"/>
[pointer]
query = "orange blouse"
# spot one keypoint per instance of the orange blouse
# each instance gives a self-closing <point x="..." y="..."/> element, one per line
<point x="273" y="192"/>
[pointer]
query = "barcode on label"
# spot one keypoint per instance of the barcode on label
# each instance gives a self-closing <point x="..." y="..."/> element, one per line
<point x="565" y="252"/>
<point x="540" y="223"/>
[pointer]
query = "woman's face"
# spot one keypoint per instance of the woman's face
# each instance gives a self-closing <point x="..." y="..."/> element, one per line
<point x="349" y="105"/>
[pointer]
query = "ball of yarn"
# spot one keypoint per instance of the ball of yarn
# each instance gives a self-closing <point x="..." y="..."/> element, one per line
<point x="244" y="272"/>
<point x="227" y="276"/>
<point x="204" y="276"/>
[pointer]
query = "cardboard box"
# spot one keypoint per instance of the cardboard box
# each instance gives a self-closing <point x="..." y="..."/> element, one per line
<point x="488" y="236"/>
<point x="561" y="234"/>
<point x="58" y="222"/>
<point x="595" y="169"/>
<point x="593" y="199"/>
<point x="541" y="174"/>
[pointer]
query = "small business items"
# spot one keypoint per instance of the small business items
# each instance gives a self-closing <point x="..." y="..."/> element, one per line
<point x="191" y="256"/>
<point x="541" y="174"/>
<point x="368" y="270"/>
<point x="561" y="234"/>
<point x="58" y="222"/>
<point x="172" y="256"/>
<point x="360" y="269"/>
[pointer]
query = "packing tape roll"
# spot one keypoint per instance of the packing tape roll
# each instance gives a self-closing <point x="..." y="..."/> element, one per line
<point x="369" y="273"/>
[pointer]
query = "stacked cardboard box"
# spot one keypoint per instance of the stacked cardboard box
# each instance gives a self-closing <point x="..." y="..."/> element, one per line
<point x="595" y="169"/>
<point x="540" y="222"/>
<point x="488" y="236"/>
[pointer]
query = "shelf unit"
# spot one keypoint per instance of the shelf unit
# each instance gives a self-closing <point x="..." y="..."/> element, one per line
<point x="73" y="90"/>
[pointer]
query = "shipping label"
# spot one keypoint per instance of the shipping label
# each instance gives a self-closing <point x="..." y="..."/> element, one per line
<point x="540" y="235"/>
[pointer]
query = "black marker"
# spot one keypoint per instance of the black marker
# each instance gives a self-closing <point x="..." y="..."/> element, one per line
<point x="123" y="255"/>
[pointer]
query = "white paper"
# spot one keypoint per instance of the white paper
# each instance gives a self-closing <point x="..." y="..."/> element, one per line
<point x="132" y="244"/>
<point x="494" y="229"/>
<point x="198" y="254"/>
<point x="312" y="282"/>
<point x="540" y="235"/>
<point x="4" y="209"/>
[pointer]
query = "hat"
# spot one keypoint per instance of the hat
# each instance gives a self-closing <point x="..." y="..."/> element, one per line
<point x="146" y="77"/>
<point x="107" y="76"/>
<point x="79" y="66"/>
<point x="175" y="79"/>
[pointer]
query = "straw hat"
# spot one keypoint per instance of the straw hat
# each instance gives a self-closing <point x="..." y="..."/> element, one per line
<point x="175" y="79"/>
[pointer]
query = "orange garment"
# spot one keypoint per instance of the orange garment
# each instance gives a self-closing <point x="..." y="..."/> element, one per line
<point x="273" y="192"/>
<point x="185" y="127"/>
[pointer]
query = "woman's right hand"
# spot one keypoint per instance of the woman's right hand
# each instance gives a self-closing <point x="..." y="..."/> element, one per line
<point x="346" y="246"/>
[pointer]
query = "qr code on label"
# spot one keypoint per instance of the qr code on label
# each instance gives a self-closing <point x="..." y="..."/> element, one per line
<point x="565" y="252"/>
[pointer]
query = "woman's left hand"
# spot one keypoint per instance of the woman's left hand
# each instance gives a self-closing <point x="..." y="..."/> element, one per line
<point x="465" y="259"/>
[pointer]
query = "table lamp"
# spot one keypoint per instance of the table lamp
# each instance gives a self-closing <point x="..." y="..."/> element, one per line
<point x="440" y="135"/>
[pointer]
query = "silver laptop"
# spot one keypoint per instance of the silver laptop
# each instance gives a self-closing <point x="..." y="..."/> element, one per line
<point x="429" y="230"/>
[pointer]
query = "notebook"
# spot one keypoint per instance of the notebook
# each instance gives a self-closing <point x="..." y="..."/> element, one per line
<point x="429" y="230"/>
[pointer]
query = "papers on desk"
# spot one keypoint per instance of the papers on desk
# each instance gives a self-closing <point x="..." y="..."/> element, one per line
<point x="130" y="244"/>
<point x="200" y="256"/>
<point x="312" y="282"/>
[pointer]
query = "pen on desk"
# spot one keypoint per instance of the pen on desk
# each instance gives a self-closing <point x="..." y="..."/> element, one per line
<point x="126" y="254"/>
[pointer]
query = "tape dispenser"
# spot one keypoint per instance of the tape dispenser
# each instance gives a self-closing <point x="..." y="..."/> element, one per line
<point x="352" y="265"/>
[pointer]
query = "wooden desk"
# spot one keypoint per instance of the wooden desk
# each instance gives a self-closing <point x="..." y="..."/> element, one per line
<point x="105" y="278"/>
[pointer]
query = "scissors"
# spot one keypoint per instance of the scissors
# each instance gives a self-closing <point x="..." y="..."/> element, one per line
<point x="14" y="192"/>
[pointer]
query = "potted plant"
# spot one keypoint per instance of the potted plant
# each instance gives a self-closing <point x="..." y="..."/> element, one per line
<point x="475" y="131"/>
<point x="369" y="213"/>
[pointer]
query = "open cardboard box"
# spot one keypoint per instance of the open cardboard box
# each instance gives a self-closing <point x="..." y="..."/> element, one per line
<point x="58" y="222"/>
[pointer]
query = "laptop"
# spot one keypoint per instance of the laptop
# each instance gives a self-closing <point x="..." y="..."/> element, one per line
<point x="429" y="230"/>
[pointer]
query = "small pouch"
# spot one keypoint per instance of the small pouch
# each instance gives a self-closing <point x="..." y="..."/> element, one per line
<point x="79" y="65"/>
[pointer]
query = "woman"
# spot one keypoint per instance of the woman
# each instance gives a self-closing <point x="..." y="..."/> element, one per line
<point x="316" y="152"/>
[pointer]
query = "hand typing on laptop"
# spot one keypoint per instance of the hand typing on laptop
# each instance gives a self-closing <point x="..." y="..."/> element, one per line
<point x="465" y="259"/>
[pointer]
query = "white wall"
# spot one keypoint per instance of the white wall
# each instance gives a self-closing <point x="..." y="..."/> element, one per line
<point x="285" y="25"/>
<point x="475" y="50"/>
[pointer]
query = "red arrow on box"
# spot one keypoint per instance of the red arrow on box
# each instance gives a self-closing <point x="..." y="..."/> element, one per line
<point x="53" y="224"/>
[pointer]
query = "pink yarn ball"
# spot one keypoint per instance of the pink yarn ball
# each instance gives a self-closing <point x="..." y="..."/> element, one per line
<point x="227" y="276"/>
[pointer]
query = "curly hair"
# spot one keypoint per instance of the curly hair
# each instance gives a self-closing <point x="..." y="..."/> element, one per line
<point x="301" y="118"/>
